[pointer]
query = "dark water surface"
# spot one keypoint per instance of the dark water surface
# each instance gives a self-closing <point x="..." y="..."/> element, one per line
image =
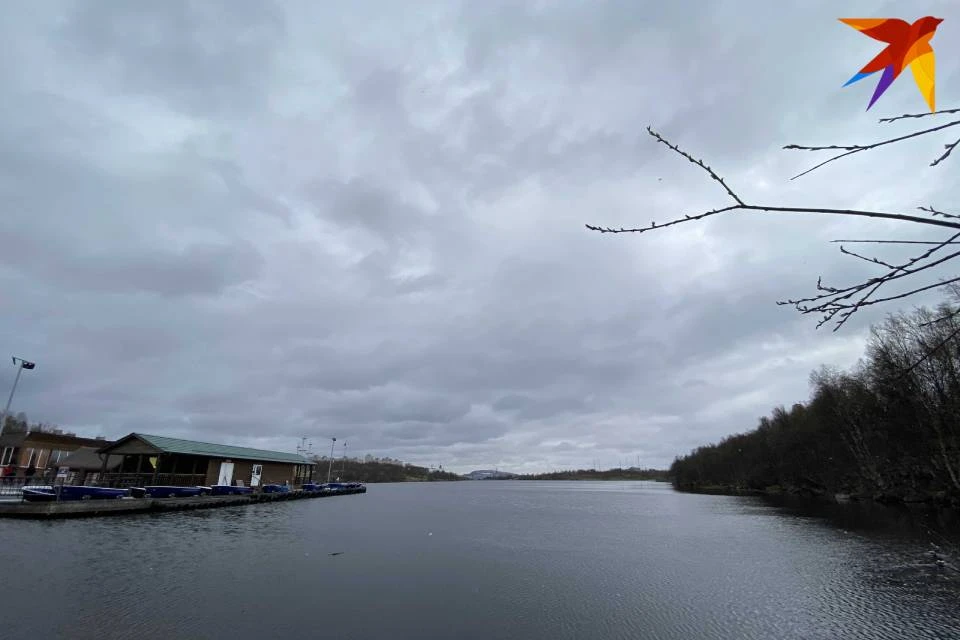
<point x="530" y="560"/>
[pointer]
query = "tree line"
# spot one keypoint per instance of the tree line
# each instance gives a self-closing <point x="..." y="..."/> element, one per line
<point x="381" y="471"/>
<point x="596" y="474"/>
<point x="888" y="429"/>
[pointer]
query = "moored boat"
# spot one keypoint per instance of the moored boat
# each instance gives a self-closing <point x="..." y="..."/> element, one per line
<point x="276" y="488"/>
<point x="229" y="490"/>
<point x="38" y="494"/>
<point x="70" y="492"/>
<point x="164" y="491"/>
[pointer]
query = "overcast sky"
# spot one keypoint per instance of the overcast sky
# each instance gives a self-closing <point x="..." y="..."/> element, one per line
<point x="245" y="221"/>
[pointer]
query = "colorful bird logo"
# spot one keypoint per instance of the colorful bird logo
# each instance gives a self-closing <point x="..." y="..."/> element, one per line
<point x="907" y="44"/>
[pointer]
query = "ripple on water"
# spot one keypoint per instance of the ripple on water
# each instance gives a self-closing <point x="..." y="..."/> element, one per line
<point x="477" y="560"/>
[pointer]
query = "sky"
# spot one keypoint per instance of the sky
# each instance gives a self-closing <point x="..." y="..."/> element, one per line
<point x="247" y="222"/>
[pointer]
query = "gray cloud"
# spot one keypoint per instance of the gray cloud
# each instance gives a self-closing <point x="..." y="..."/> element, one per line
<point x="247" y="222"/>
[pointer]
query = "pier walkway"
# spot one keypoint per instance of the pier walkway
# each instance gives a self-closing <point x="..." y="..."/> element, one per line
<point x="124" y="506"/>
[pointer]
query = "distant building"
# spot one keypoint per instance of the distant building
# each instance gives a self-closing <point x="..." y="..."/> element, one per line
<point x="41" y="451"/>
<point x="489" y="474"/>
<point x="149" y="459"/>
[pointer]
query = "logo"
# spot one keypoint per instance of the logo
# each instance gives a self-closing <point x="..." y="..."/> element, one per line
<point x="907" y="45"/>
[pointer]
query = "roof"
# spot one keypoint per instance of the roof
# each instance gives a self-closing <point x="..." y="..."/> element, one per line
<point x="66" y="440"/>
<point x="88" y="458"/>
<point x="194" y="448"/>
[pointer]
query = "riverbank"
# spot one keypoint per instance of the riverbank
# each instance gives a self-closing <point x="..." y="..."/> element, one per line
<point x="886" y="431"/>
<point x="939" y="500"/>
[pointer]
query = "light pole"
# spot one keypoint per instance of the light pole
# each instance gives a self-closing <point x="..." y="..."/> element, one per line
<point x="23" y="364"/>
<point x="343" y="463"/>
<point x="330" y="465"/>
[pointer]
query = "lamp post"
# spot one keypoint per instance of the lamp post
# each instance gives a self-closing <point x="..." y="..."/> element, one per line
<point x="330" y="465"/>
<point x="21" y="364"/>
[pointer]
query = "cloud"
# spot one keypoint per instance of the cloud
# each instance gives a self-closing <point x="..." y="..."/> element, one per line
<point x="250" y="222"/>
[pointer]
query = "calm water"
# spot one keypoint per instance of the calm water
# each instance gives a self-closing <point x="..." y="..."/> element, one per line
<point x="481" y="560"/>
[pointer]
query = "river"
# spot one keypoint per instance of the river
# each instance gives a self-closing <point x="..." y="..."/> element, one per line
<point x="526" y="560"/>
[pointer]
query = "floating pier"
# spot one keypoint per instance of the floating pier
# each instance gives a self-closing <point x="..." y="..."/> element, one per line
<point x="125" y="506"/>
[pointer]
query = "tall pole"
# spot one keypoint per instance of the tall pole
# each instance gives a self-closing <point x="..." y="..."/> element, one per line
<point x="21" y="365"/>
<point x="330" y="465"/>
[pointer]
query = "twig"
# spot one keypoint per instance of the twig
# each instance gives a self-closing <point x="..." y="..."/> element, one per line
<point x="833" y="302"/>
<point x="741" y="204"/>
<point x="929" y="353"/>
<point x="949" y="316"/>
<point x="890" y="242"/>
<point x="857" y="148"/>
<point x="830" y="303"/>
<point x="846" y="251"/>
<point x="919" y="115"/>
<point x="937" y="212"/>
<point x="946" y="154"/>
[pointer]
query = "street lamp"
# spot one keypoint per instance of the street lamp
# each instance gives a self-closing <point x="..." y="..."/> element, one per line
<point x="21" y="364"/>
<point x="330" y="465"/>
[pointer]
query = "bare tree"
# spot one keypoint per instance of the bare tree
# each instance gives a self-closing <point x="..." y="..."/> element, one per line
<point x="838" y="304"/>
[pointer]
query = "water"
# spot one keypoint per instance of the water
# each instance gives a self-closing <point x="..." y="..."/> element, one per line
<point x="530" y="560"/>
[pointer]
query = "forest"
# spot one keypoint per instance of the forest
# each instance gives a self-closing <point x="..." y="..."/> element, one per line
<point x="371" y="471"/>
<point x="886" y="430"/>
<point x="597" y="474"/>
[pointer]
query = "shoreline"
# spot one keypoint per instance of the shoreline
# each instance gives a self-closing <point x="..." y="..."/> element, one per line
<point x="841" y="497"/>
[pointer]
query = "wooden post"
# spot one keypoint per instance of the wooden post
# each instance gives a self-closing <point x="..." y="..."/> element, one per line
<point x="103" y="467"/>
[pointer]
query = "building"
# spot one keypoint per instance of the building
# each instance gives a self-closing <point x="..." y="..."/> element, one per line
<point x="159" y="460"/>
<point x="40" y="451"/>
<point x="85" y="465"/>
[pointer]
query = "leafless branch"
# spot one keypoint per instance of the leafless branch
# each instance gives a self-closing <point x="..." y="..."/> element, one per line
<point x="928" y="353"/>
<point x="950" y="316"/>
<point x="937" y="212"/>
<point x="846" y="251"/>
<point x="838" y="304"/>
<point x="919" y="115"/>
<point x="890" y="242"/>
<point x="742" y="205"/>
<point x="835" y="302"/>
<point x="946" y="154"/>
<point x="857" y="148"/>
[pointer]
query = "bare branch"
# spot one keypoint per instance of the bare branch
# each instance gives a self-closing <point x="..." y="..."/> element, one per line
<point x="930" y="353"/>
<point x="946" y="154"/>
<point x="936" y="212"/>
<point x="891" y="242"/>
<point x="846" y="251"/>
<point x="950" y="316"/>
<point x="833" y="301"/>
<point x="838" y="304"/>
<point x="741" y="204"/>
<point x="919" y="115"/>
<point x="857" y="148"/>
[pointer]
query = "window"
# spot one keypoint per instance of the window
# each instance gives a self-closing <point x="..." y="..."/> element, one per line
<point x="30" y="453"/>
<point x="7" y="456"/>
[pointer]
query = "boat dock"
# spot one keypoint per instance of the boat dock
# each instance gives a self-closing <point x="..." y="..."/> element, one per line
<point x="125" y="506"/>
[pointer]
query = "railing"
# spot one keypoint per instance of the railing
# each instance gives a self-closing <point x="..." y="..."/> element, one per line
<point x="11" y="486"/>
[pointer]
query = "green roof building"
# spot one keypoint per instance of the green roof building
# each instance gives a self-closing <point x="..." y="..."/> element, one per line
<point x="161" y="460"/>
